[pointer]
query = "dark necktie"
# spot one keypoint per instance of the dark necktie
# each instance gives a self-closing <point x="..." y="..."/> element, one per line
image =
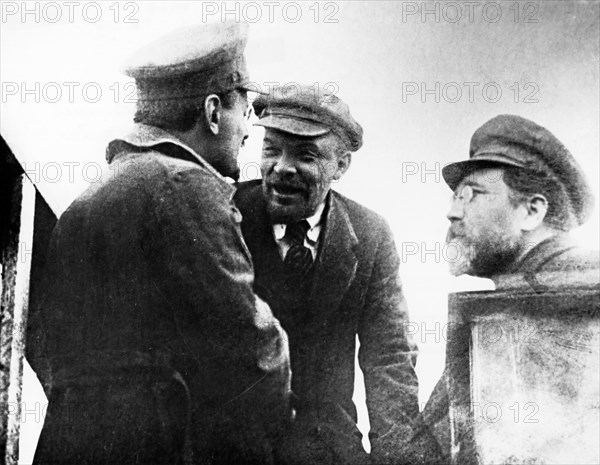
<point x="298" y="258"/>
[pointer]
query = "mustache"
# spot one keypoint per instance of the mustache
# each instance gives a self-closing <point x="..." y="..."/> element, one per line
<point x="285" y="183"/>
<point x="454" y="233"/>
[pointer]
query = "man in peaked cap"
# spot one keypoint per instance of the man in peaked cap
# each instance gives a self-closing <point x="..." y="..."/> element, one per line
<point x="158" y="349"/>
<point x="515" y="200"/>
<point x="329" y="269"/>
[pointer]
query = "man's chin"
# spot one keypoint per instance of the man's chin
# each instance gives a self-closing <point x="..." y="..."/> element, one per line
<point x="283" y="213"/>
<point x="228" y="171"/>
<point x="280" y="215"/>
<point x="234" y="172"/>
<point x="483" y="260"/>
<point x="458" y="257"/>
<point x="458" y="269"/>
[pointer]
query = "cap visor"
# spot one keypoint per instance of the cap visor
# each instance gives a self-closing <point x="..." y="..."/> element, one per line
<point x="455" y="172"/>
<point x="251" y="87"/>
<point x="293" y="125"/>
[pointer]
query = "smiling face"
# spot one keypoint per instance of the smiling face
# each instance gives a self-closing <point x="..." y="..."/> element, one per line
<point x="485" y="225"/>
<point x="298" y="171"/>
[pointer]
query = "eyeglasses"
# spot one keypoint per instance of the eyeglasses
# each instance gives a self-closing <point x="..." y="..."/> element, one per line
<point x="464" y="195"/>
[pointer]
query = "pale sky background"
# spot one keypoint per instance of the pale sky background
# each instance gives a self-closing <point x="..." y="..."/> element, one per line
<point x="380" y="57"/>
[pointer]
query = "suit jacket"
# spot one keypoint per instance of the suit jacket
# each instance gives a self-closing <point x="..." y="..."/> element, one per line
<point x="356" y="290"/>
<point x="152" y="346"/>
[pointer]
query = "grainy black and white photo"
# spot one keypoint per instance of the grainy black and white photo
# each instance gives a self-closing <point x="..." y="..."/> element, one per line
<point x="297" y="233"/>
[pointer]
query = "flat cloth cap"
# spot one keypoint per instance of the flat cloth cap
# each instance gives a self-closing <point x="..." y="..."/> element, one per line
<point x="309" y="111"/>
<point x="191" y="62"/>
<point x="511" y="140"/>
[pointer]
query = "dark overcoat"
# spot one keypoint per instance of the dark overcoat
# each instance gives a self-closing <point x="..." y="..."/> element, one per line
<point x="355" y="290"/>
<point x="151" y="345"/>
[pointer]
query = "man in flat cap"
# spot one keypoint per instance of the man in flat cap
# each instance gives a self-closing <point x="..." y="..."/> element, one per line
<point x="514" y="202"/>
<point x="158" y="349"/>
<point x="329" y="269"/>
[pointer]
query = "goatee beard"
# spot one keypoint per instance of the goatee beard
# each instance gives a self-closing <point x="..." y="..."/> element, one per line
<point x="483" y="257"/>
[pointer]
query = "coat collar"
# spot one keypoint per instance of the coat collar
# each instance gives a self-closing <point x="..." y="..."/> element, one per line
<point x="146" y="136"/>
<point x="538" y="271"/>
<point x="542" y="253"/>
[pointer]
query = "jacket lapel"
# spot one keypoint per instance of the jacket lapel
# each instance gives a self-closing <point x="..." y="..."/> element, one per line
<point x="259" y="237"/>
<point x="336" y="261"/>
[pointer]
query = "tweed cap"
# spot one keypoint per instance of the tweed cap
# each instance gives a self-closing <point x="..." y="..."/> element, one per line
<point x="309" y="111"/>
<point x="191" y="62"/>
<point x="511" y="140"/>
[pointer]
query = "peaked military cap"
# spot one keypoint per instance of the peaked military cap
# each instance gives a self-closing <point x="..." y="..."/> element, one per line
<point x="511" y="140"/>
<point x="309" y="111"/>
<point x="191" y="62"/>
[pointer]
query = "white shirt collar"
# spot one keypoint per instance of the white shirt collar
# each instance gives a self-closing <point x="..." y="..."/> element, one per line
<point x="315" y="226"/>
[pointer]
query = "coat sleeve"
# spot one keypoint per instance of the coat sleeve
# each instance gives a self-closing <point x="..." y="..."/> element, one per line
<point x="387" y="357"/>
<point x="238" y="350"/>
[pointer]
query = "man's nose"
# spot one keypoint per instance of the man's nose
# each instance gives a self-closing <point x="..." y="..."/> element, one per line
<point x="457" y="210"/>
<point x="285" y="164"/>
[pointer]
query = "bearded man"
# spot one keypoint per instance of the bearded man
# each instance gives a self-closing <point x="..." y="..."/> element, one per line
<point x="515" y="201"/>
<point x="329" y="269"/>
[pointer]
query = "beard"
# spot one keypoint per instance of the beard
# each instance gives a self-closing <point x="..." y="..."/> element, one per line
<point x="287" y="200"/>
<point x="485" y="255"/>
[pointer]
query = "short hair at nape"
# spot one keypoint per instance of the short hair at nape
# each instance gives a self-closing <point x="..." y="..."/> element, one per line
<point x="178" y="114"/>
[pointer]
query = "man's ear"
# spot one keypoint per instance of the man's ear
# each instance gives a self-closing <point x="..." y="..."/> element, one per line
<point x="212" y="113"/>
<point x="536" y="208"/>
<point x="343" y="163"/>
